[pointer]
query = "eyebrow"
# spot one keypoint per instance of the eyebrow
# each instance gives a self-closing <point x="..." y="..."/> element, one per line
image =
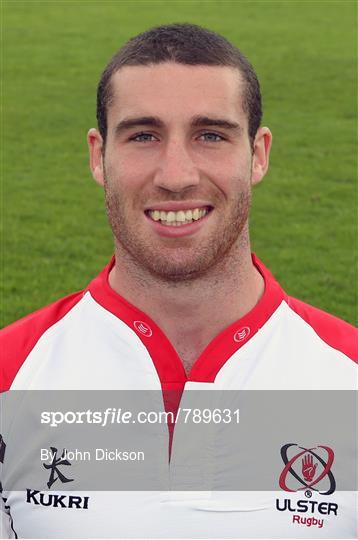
<point x="150" y="121"/>
<point x="154" y="121"/>
<point x="206" y="121"/>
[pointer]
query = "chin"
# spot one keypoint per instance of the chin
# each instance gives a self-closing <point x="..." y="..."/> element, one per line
<point x="179" y="273"/>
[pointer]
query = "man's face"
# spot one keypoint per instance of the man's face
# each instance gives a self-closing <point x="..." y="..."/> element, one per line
<point x="177" y="166"/>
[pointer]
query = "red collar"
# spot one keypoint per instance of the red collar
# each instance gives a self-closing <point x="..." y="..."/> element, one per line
<point x="220" y="349"/>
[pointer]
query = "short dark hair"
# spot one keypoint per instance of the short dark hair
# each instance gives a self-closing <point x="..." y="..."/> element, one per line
<point x="184" y="44"/>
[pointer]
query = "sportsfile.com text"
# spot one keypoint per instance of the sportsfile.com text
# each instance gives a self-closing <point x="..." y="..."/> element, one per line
<point x="114" y="415"/>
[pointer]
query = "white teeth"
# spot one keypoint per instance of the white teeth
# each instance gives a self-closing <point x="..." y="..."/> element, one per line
<point x="170" y="217"/>
<point x="182" y="217"/>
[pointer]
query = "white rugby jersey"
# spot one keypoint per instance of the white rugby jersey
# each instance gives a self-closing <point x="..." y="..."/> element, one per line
<point x="96" y="340"/>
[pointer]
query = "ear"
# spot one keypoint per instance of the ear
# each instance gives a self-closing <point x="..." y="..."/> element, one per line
<point x="261" y="154"/>
<point x="95" y="146"/>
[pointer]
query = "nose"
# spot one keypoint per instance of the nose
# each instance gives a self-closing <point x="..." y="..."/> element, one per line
<point x="176" y="171"/>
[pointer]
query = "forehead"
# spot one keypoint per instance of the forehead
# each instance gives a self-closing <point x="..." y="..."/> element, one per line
<point x="174" y="91"/>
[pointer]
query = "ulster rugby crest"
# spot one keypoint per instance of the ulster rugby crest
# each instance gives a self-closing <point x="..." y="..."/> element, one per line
<point x="307" y="468"/>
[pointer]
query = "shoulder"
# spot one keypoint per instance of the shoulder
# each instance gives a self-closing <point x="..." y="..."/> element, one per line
<point x="19" y="338"/>
<point x="335" y="332"/>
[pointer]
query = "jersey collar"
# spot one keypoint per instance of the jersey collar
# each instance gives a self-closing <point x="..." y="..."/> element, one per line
<point x="166" y="360"/>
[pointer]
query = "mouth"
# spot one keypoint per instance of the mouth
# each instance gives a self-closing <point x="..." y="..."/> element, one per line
<point x="178" y="218"/>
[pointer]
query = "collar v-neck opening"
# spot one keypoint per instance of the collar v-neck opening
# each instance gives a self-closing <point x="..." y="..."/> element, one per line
<point x="165" y="358"/>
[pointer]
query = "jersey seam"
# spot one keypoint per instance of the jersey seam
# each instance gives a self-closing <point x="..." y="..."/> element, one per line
<point x="53" y="329"/>
<point x="316" y="333"/>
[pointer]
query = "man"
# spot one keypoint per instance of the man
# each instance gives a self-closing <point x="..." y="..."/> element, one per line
<point x="183" y="305"/>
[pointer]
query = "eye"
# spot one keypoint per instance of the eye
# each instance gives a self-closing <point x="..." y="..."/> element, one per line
<point x="143" y="137"/>
<point x="211" y="137"/>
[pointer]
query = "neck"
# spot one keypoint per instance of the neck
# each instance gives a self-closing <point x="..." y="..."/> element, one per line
<point x="191" y="313"/>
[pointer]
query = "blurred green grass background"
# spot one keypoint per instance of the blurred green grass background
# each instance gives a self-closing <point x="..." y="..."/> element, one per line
<point x="304" y="222"/>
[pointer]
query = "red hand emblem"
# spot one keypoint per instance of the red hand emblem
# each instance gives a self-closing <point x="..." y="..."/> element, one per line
<point x="308" y="468"/>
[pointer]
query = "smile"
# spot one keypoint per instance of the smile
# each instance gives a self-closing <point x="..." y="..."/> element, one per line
<point x="179" y="218"/>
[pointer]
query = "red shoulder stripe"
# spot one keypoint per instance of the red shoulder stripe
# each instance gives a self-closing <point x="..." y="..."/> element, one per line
<point x="18" y="339"/>
<point x="336" y="333"/>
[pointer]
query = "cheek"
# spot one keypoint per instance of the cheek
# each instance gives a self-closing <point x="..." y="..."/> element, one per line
<point x="127" y="172"/>
<point x="121" y="180"/>
<point x="125" y="192"/>
<point x="231" y="176"/>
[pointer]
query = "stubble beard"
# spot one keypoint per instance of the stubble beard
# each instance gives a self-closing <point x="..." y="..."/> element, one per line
<point x="173" y="264"/>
